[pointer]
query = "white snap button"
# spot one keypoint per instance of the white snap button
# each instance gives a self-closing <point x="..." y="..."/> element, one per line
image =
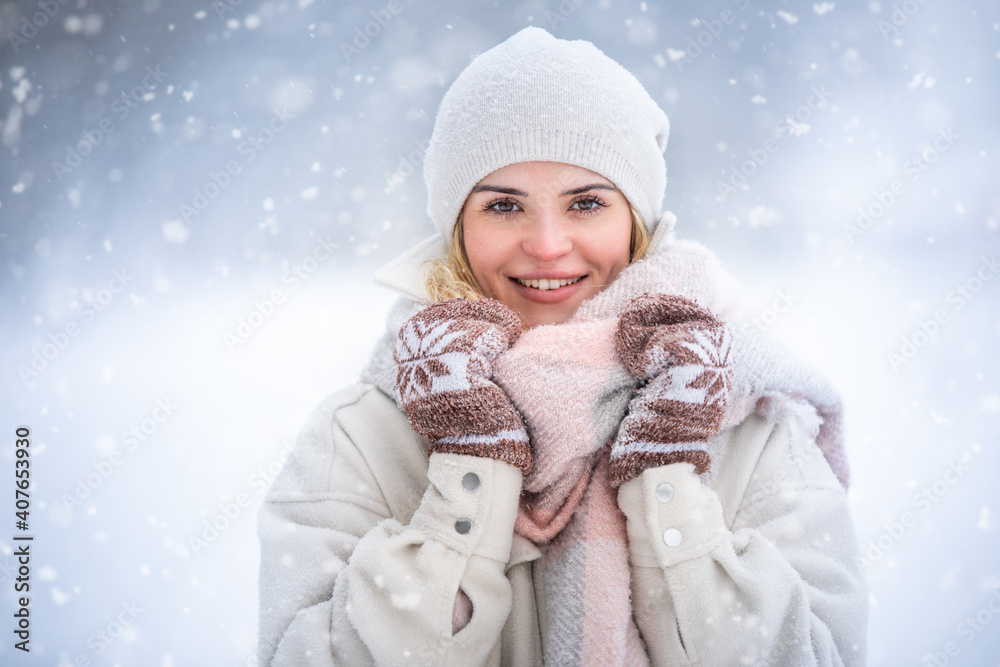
<point x="470" y="482"/>
<point x="672" y="537"/>
<point x="463" y="526"/>
<point x="664" y="492"/>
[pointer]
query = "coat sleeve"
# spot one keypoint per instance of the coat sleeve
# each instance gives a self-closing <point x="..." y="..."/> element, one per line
<point x="781" y="585"/>
<point x="345" y="582"/>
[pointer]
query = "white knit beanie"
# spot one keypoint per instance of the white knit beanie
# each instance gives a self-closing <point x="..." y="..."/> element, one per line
<point x="537" y="98"/>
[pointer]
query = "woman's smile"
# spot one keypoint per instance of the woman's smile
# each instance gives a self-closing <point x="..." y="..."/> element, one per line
<point x="542" y="237"/>
<point x="549" y="290"/>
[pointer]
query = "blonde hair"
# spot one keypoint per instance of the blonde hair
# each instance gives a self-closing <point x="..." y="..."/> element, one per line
<point x="452" y="277"/>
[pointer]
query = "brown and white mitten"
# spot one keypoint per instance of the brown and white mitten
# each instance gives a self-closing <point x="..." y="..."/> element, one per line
<point x="681" y="352"/>
<point x="444" y="356"/>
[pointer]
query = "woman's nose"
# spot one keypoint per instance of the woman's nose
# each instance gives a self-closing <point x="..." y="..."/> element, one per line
<point x="546" y="237"/>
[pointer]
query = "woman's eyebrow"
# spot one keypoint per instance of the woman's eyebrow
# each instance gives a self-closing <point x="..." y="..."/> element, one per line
<point x="513" y="191"/>
<point x="592" y="186"/>
<point x="500" y="189"/>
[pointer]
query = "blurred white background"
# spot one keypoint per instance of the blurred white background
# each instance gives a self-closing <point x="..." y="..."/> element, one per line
<point x="174" y="174"/>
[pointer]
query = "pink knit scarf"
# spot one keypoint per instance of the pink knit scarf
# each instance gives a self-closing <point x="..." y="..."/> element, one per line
<point x="572" y="391"/>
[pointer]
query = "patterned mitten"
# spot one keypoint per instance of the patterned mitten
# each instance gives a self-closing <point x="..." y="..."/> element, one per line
<point x="681" y="352"/>
<point x="444" y="356"/>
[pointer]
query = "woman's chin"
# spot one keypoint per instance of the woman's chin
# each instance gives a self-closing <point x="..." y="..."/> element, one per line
<point x="534" y="314"/>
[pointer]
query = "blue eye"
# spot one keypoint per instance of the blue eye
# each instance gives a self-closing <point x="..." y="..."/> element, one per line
<point x="588" y="204"/>
<point x="504" y="207"/>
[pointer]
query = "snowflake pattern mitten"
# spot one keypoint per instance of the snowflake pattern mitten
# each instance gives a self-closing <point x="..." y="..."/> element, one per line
<point x="444" y="356"/>
<point x="681" y="352"/>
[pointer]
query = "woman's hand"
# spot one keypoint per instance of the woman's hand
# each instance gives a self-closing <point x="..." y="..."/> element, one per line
<point x="682" y="351"/>
<point x="444" y="356"/>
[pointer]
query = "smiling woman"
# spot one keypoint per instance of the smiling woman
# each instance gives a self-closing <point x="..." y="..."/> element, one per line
<point x="543" y="237"/>
<point x="452" y="277"/>
<point x="570" y="447"/>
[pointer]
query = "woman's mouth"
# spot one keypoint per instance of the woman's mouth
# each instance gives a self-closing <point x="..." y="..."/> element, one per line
<point x="548" y="283"/>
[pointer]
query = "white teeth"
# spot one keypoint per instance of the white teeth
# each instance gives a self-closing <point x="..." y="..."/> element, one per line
<point x="547" y="284"/>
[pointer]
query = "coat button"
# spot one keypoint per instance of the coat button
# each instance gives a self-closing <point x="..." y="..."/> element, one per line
<point x="672" y="537"/>
<point x="463" y="526"/>
<point x="470" y="482"/>
<point x="664" y="492"/>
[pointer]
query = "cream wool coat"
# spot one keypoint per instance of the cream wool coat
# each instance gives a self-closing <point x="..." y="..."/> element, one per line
<point x="361" y="559"/>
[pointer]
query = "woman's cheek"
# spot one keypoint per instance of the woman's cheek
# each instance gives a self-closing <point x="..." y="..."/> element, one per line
<point x="486" y="258"/>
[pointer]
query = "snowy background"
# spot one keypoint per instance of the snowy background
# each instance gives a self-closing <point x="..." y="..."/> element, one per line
<point x="173" y="174"/>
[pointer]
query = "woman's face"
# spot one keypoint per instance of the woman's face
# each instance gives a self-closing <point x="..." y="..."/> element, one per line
<point x="542" y="237"/>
